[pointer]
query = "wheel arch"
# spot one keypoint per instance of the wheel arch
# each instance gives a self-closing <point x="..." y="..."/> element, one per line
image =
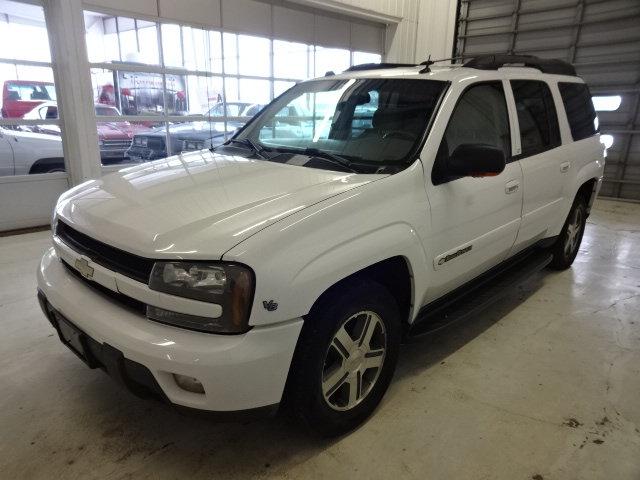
<point x="393" y="273"/>
<point x="588" y="191"/>
<point x="43" y="165"/>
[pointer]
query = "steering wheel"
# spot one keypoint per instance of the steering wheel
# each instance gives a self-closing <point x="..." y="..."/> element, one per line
<point x="399" y="134"/>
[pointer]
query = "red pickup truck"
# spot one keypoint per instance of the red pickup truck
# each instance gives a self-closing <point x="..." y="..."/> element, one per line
<point x="21" y="96"/>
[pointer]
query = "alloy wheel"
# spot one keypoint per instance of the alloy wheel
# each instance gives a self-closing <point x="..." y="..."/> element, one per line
<point x="574" y="229"/>
<point x="354" y="360"/>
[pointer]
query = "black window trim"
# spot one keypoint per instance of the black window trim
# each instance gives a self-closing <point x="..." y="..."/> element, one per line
<point x="521" y="155"/>
<point x="508" y="160"/>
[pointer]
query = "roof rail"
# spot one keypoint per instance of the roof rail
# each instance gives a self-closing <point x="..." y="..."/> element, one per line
<point x="545" y="65"/>
<point x="378" y="66"/>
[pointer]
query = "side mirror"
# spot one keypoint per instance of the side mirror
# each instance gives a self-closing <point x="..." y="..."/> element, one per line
<point x="476" y="160"/>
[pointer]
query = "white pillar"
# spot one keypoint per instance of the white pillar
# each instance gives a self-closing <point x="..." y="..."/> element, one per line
<point x="65" y="24"/>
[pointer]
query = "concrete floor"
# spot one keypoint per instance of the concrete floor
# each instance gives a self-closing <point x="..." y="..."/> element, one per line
<point x="544" y="385"/>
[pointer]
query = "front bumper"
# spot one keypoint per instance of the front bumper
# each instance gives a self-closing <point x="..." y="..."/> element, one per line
<point x="113" y="154"/>
<point x="238" y="372"/>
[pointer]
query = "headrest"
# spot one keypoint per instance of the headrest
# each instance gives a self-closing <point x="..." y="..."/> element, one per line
<point x="389" y="118"/>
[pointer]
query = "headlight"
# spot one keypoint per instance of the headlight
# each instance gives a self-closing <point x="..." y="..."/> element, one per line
<point x="140" y="141"/>
<point x="227" y="284"/>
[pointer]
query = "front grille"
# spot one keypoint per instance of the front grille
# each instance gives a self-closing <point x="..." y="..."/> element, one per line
<point x="130" y="303"/>
<point x="115" y="144"/>
<point x="128" y="264"/>
<point x="153" y="143"/>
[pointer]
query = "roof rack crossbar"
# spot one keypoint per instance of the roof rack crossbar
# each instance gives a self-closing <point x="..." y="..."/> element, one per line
<point x="545" y="65"/>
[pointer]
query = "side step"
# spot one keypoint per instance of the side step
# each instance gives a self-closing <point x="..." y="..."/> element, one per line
<point x="475" y="296"/>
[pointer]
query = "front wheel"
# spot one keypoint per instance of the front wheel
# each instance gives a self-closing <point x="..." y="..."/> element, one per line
<point x="345" y="358"/>
<point x="566" y="247"/>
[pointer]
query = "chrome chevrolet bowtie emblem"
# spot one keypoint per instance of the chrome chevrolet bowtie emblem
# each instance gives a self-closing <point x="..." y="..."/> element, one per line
<point x="82" y="265"/>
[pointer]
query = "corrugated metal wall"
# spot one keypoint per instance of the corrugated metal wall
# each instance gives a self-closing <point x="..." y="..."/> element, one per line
<point x="600" y="37"/>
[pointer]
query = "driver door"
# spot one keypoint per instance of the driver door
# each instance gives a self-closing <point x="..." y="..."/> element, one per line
<point x="474" y="221"/>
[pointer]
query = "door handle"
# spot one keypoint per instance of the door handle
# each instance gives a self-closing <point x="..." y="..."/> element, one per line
<point x="564" y="167"/>
<point x="512" y="187"/>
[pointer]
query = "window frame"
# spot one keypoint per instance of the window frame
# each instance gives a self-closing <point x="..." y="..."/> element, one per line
<point x="522" y="155"/>
<point x="435" y="178"/>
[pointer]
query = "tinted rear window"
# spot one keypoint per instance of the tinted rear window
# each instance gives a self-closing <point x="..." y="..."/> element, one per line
<point x="537" y="116"/>
<point x="579" y="107"/>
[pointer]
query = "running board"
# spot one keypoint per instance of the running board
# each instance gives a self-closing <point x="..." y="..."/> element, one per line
<point x="475" y="296"/>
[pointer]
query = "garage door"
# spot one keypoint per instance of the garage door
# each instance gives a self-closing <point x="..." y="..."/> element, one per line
<point x="600" y="37"/>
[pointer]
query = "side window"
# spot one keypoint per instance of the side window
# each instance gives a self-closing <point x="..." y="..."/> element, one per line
<point x="51" y="113"/>
<point x="480" y="117"/>
<point x="580" y="111"/>
<point x="537" y="116"/>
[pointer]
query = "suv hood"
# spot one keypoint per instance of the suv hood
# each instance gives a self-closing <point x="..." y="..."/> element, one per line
<point x="196" y="205"/>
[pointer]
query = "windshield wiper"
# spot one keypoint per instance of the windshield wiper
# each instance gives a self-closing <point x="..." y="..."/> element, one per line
<point x="258" y="150"/>
<point x="314" y="152"/>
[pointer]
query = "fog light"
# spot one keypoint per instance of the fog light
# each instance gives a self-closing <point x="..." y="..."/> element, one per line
<point x="189" y="384"/>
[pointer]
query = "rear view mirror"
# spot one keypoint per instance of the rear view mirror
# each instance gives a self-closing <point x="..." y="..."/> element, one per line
<point x="476" y="160"/>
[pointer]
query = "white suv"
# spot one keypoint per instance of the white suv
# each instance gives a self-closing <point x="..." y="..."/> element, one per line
<point x="283" y="267"/>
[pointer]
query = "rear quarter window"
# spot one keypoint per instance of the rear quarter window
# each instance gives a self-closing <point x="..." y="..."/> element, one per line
<point x="537" y="118"/>
<point x="580" y="111"/>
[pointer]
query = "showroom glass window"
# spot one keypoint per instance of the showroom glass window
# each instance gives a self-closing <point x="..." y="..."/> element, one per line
<point x="160" y="81"/>
<point x="174" y="88"/>
<point x="537" y="117"/>
<point x="30" y="139"/>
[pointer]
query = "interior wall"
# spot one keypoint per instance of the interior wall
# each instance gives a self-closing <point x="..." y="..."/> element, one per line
<point x="414" y="29"/>
<point x="399" y="16"/>
<point x="285" y="20"/>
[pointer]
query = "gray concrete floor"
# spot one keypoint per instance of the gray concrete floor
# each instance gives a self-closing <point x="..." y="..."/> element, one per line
<point x="544" y="385"/>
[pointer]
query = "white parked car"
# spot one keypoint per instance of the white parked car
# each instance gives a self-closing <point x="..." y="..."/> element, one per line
<point x="23" y="152"/>
<point x="291" y="267"/>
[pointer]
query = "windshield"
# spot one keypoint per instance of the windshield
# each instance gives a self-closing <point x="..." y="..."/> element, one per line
<point x="377" y="121"/>
<point x="107" y="111"/>
<point x="36" y="91"/>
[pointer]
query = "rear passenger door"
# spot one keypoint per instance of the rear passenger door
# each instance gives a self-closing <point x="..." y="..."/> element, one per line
<point x="543" y="167"/>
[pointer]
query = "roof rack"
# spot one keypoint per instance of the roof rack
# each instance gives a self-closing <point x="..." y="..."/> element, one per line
<point x="378" y="66"/>
<point x="545" y="65"/>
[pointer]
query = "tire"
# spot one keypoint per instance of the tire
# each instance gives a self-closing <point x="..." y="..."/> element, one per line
<point x="327" y="364"/>
<point x="47" y="165"/>
<point x="566" y="247"/>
